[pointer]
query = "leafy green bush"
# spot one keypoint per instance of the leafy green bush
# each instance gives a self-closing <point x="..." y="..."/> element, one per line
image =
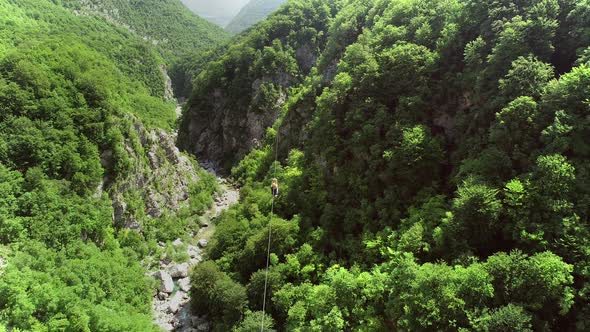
<point x="508" y="318"/>
<point x="252" y="323"/>
<point x="202" y="192"/>
<point x="220" y="298"/>
<point x="541" y="284"/>
<point x="79" y="288"/>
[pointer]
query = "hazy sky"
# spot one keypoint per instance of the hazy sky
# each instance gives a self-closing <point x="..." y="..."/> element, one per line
<point x="217" y="11"/>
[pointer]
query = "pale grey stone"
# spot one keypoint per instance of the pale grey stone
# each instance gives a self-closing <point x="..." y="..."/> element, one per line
<point x="179" y="271"/>
<point x="185" y="284"/>
<point x="166" y="283"/>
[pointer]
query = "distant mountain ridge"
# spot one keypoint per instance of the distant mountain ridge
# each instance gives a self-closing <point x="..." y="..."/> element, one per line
<point x="163" y="23"/>
<point x="254" y="12"/>
<point x="220" y="12"/>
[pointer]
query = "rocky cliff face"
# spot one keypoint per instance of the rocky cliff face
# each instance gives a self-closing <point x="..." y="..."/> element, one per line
<point x="159" y="181"/>
<point x="223" y="134"/>
<point x="241" y="94"/>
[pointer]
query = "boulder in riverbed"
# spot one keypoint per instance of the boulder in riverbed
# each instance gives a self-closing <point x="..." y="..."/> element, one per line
<point x="175" y="302"/>
<point x="166" y="283"/>
<point x="184" y="284"/>
<point x="179" y="271"/>
<point x="194" y="251"/>
<point x="200" y="324"/>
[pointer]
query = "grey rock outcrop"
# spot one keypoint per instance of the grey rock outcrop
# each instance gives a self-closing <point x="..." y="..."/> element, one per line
<point x="168" y="92"/>
<point x="185" y="284"/>
<point x="176" y="301"/>
<point x="161" y="176"/>
<point x="224" y="133"/>
<point x="194" y="251"/>
<point x="203" y="243"/>
<point x="200" y="324"/>
<point x="166" y="282"/>
<point x="179" y="271"/>
<point x="119" y="208"/>
<point x="306" y="57"/>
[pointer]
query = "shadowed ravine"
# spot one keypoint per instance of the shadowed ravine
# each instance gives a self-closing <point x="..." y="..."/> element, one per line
<point x="171" y="303"/>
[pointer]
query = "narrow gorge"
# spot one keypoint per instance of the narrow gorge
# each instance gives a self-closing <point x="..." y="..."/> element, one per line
<point x="171" y="303"/>
<point x="428" y="159"/>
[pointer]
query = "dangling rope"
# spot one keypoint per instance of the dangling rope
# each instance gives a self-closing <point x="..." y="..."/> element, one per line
<point x="272" y="209"/>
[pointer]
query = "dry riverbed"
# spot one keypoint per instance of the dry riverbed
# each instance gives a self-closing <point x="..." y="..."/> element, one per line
<point x="171" y="304"/>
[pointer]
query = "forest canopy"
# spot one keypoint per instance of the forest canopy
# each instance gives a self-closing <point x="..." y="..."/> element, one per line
<point x="433" y="165"/>
<point x="432" y="158"/>
<point x="73" y="91"/>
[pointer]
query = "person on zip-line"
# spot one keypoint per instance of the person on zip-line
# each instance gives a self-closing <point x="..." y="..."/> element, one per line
<point x="274" y="187"/>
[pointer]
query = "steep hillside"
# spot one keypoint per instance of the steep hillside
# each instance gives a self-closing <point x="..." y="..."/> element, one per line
<point x="89" y="180"/>
<point x="168" y="25"/>
<point x="433" y="161"/>
<point x="242" y="92"/>
<point x="219" y="12"/>
<point x="181" y="37"/>
<point x="254" y="12"/>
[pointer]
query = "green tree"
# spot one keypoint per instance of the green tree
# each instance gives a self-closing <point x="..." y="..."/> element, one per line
<point x="517" y="131"/>
<point x="252" y="322"/>
<point x="540" y="284"/>
<point x="435" y="296"/>
<point x="221" y="298"/>
<point x="527" y="77"/>
<point x="475" y="216"/>
<point x="511" y="318"/>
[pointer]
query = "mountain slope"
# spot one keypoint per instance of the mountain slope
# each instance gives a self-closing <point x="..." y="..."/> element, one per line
<point x="433" y="167"/>
<point x="173" y="29"/>
<point x="180" y="36"/>
<point x="82" y="159"/>
<point x="254" y="12"/>
<point x="226" y="117"/>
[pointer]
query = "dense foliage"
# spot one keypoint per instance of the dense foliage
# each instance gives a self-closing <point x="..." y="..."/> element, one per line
<point x="250" y="80"/>
<point x="177" y="34"/>
<point x="435" y="179"/>
<point x="73" y="88"/>
<point x="174" y="30"/>
<point x="432" y="161"/>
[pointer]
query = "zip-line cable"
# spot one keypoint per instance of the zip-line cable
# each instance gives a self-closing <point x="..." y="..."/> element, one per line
<point x="272" y="208"/>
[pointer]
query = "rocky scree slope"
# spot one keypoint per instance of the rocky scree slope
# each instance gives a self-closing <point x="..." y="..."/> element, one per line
<point x="160" y="179"/>
<point x="171" y="304"/>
